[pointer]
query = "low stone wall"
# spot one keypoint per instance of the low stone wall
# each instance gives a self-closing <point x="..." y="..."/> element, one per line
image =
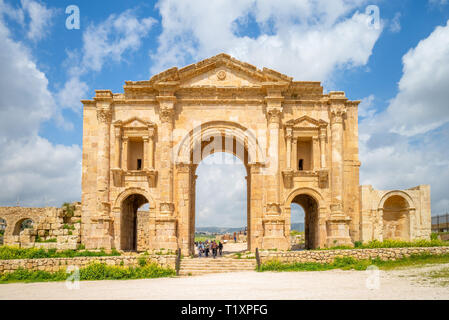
<point x="55" y="264"/>
<point x="328" y="256"/>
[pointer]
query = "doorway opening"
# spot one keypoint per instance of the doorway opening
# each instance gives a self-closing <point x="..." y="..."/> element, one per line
<point x="304" y="209"/>
<point x="129" y="221"/>
<point x="221" y="210"/>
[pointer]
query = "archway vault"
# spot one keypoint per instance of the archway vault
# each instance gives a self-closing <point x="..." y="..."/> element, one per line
<point x="201" y="142"/>
<point x="192" y="143"/>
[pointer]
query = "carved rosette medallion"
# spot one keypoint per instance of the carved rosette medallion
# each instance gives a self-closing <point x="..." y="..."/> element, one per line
<point x="221" y="75"/>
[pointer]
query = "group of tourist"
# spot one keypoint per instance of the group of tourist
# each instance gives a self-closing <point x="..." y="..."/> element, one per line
<point x="205" y="248"/>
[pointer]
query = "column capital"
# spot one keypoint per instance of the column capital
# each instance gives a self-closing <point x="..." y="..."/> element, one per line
<point x="104" y="115"/>
<point x="151" y="132"/>
<point x="166" y="114"/>
<point x="274" y="114"/>
<point x="183" y="167"/>
<point x="289" y="132"/>
<point x="337" y="114"/>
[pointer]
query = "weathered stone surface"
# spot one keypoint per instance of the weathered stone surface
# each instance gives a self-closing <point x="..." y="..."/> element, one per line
<point x="298" y="144"/>
<point x="54" y="264"/>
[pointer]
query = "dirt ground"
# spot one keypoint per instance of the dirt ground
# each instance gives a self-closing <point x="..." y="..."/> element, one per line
<point x="410" y="283"/>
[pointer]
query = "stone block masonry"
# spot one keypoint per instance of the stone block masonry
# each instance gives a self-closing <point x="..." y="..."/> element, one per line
<point x="328" y="256"/>
<point x="55" y="264"/>
<point x="51" y="228"/>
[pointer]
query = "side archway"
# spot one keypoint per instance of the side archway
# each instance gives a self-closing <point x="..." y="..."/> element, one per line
<point x="396" y="208"/>
<point x="129" y="222"/>
<point x="312" y="203"/>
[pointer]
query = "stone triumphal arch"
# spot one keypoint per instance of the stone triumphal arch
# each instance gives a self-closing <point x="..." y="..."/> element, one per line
<point x="297" y="143"/>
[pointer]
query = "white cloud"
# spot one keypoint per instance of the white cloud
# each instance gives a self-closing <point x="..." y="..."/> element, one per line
<point x="71" y="94"/>
<point x="306" y="39"/>
<point x="421" y="104"/>
<point x="366" y="107"/>
<point x="31" y="168"/>
<point x="406" y="145"/>
<point x="395" y="25"/>
<point x="40" y="19"/>
<point x="107" y="41"/>
<point x="438" y="2"/>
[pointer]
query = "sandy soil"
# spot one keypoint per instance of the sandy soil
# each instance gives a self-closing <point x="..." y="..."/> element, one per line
<point x="336" y="284"/>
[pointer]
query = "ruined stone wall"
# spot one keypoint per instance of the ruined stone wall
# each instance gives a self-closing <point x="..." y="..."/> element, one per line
<point x="52" y="229"/>
<point x="55" y="264"/>
<point x="328" y="256"/>
<point x="377" y="218"/>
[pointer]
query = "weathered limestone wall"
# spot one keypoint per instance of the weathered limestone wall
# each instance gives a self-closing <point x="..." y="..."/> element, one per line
<point x="328" y="256"/>
<point x="48" y="224"/>
<point x="385" y="211"/>
<point x="270" y="116"/>
<point x="55" y="264"/>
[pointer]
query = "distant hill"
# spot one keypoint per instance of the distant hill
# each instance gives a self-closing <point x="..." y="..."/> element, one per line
<point x="297" y="226"/>
<point x="218" y="229"/>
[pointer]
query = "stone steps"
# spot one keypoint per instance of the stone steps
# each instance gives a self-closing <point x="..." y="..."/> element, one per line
<point x="200" y="266"/>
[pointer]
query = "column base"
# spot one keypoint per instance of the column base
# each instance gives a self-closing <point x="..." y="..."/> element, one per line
<point x="338" y="231"/>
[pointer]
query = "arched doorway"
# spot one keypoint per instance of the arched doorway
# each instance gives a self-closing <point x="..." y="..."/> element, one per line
<point x="22" y="225"/>
<point x="310" y="207"/>
<point x="221" y="207"/>
<point x="396" y="219"/>
<point x="201" y="142"/>
<point x="129" y="221"/>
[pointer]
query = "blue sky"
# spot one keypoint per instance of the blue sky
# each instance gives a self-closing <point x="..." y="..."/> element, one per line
<point x="399" y="69"/>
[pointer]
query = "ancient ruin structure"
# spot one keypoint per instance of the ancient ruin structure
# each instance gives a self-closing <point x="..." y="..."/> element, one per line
<point x="298" y="144"/>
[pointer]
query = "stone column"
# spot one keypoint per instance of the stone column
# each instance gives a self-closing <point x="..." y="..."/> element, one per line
<point x="146" y="163"/>
<point x="186" y="223"/>
<point x="100" y="228"/>
<point x="338" y="223"/>
<point x="295" y="154"/>
<point x="289" y="147"/>
<point x="150" y="153"/>
<point x="125" y="153"/>
<point x="117" y="147"/>
<point x="323" y="147"/>
<point x="166" y="172"/>
<point x="104" y="114"/>
<point x="315" y="154"/>
<point x="274" y="115"/>
<point x="167" y="222"/>
<point x="337" y="113"/>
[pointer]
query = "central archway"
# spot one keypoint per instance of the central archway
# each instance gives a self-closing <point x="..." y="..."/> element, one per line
<point x="221" y="207"/>
<point x="203" y="141"/>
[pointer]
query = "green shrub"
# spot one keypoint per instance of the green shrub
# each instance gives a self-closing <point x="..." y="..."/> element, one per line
<point x="388" y="243"/>
<point x="94" y="271"/>
<point x="9" y="253"/>
<point x="434" y="236"/>
<point x="68" y="210"/>
<point x="349" y="263"/>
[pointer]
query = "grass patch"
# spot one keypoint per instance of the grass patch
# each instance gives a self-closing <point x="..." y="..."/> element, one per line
<point x="375" y="244"/>
<point x="10" y="253"/>
<point x="94" y="271"/>
<point x="40" y="240"/>
<point x="349" y="263"/>
<point x="441" y="276"/>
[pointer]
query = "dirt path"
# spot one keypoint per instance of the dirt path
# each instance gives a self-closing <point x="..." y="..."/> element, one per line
<point x="335" y="284"/>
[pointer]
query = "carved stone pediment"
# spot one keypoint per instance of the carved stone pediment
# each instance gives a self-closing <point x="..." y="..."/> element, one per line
<point x="221" y="71"/>
<point x="305" y="122"/>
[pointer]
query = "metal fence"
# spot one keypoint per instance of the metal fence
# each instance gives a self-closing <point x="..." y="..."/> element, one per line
<point x="440" y="223"/>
